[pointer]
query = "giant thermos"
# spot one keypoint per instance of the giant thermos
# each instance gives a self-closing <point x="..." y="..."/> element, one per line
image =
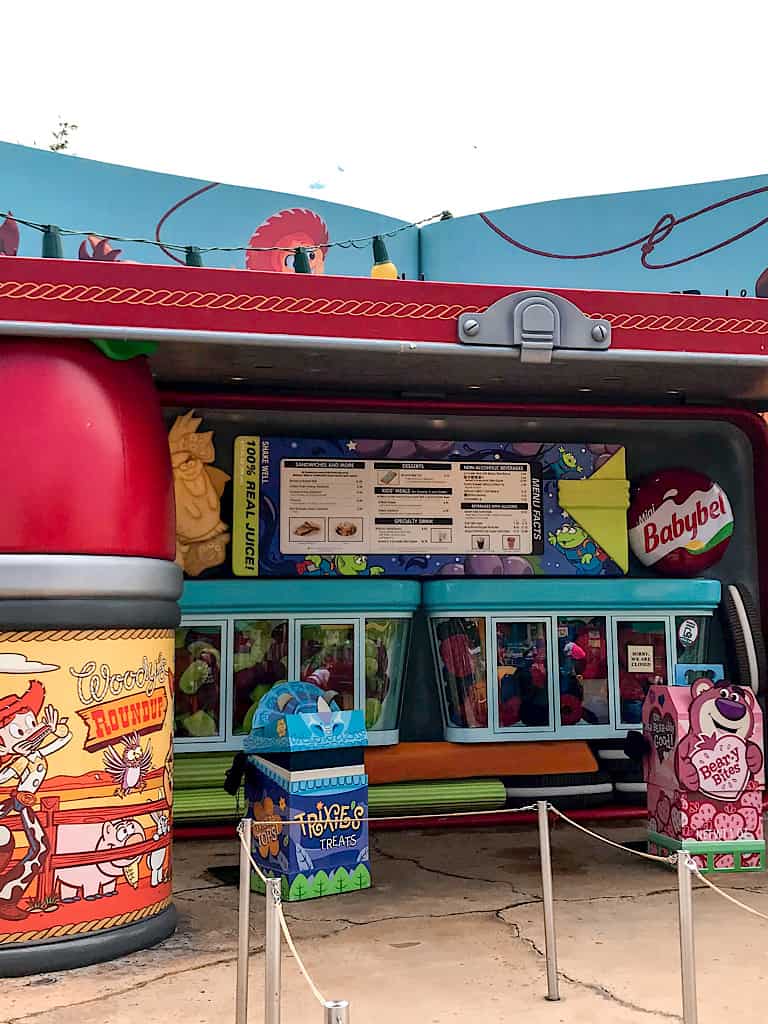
<point x="88" y="605"/>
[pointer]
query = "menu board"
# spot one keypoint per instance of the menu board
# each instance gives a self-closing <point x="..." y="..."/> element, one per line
<point x="339" y="506"/>
<point x="386" y="507"/>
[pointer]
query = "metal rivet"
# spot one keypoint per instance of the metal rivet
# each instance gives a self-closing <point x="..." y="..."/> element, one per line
<point x="599" y="332"/>
<point x="471" y="327"/>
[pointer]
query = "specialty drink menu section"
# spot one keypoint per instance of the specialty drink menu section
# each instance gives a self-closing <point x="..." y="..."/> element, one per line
<point x="385" y="507"/>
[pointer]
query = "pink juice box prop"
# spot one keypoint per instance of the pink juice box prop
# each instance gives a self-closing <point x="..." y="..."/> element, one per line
<point x="705" y="771"/>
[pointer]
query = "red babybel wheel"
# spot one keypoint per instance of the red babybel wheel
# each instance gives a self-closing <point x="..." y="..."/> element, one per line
<point x="680" y="522"/>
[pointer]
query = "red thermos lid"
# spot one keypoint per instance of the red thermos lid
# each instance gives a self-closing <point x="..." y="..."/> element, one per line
<point x="84" y="463"/>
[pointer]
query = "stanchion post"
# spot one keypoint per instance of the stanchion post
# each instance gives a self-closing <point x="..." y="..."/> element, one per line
<point x="272" y="953"/>
<point x="687" y="950"/>
<point x="243" y="922"/>
<point x="550" y="947"/>
<point x="336" y="1011"/>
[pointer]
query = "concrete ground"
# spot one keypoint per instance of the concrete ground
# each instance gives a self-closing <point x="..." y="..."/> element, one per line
<point x="452" y="931"/>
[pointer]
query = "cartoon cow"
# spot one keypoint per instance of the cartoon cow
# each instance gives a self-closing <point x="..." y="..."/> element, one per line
<point x="94" y="881"/>
<point x="718" y="752"/>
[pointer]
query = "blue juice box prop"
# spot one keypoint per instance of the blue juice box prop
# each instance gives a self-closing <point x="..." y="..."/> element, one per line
<point x="307" y="792"/>
<point x="300" y="718"/>
<point x="310" y="829"/>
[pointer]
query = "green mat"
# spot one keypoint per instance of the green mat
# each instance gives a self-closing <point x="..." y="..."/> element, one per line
<point x="436" y="797"/>
<point x="198" y="793"/>
<point x="200" y="771"/>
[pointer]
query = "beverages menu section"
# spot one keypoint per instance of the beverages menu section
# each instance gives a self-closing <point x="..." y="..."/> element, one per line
<point x="370" y="506"/>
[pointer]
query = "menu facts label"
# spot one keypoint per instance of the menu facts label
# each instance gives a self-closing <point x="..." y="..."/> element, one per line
<point x="245" y="506"/>
<point x="384" y="507"/>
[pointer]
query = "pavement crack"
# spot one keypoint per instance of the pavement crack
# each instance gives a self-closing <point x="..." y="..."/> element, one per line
<point x="407" y="917"/>
<point x="441" y="873"/>
<point x="135" y="986"/>
<point x="201" y="888"/>
<point x="589" y="986"/>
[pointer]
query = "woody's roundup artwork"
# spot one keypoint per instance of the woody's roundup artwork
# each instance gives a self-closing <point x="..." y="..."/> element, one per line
<point x="85" y="782"/>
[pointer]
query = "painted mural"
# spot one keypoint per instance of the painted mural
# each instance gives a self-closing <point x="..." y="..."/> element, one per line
<point x="86" y="780"/>
<point x="710" y="238"/>
<point x="707" y="238"/>
<point x="53" y="188"/>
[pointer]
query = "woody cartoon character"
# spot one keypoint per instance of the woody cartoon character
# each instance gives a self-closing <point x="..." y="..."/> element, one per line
<point x="28" y="737"/>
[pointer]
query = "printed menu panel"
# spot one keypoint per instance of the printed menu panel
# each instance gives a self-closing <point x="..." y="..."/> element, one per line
<point x="383" y="507"/>
<point x="358" y="507"/>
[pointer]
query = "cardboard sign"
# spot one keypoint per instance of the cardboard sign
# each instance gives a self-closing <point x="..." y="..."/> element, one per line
<point x="639" y="658"/>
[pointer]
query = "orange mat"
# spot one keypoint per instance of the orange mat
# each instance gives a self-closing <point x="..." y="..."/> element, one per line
<point x="426" y="762"/>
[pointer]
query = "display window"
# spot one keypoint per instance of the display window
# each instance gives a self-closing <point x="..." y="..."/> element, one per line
<point x="460" y="648"/>
<point x="259" y="662"/>
<point x="691" y="635"/>
<point x="641" y="653"/>
<point x="198" y="711"/>
<point x="327" y="658"/>
<point x="582" y="659"/>
<point x="556" y="675"/>
<point x="225" y="667"/>
<point x="386" y="648"/>
<point x="522" y="670"/>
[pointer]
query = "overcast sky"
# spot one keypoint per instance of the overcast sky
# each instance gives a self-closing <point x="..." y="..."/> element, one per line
<point x="403" y="106"/>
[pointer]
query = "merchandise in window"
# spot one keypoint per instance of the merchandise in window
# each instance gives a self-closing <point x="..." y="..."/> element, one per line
<point x="386" y="644"/>
<point x="522" y="672"/>
<point x="260" y="661"/>
<point x="582" y="646"/>
<point x="327" y="659"/>
<point x="197" y="698"/>
<point x="460" y="647"/>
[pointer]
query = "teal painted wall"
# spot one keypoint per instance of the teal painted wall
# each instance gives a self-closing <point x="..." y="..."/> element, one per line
<point x="706" y="237"/>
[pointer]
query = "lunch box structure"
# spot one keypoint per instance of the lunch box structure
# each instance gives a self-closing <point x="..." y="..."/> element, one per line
<point x="675" y="381"/>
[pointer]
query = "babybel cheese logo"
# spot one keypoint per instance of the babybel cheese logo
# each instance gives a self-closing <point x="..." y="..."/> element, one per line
<point x="680" y="522"/>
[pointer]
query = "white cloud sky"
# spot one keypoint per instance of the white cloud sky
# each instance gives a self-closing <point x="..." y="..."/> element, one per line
<point x="426" y="105"/>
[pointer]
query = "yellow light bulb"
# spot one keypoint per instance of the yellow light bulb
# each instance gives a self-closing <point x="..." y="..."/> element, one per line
<point x="383" y="267"/>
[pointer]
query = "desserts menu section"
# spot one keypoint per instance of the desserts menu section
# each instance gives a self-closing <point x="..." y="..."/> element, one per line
<point x="382" y="507"/>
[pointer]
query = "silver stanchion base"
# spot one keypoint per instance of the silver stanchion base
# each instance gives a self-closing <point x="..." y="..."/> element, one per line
<point x="336" y="1012"/>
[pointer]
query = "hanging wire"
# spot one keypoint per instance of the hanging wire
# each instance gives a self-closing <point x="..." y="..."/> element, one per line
<point x="347" y="243"/>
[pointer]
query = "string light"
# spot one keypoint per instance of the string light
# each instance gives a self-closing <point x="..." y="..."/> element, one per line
<point x="383" y="267"/>
<point x="54" y="236"/>
<point x="301" y="261"/>
<point x="192" y="256"/>
<point x="52" y="245"/>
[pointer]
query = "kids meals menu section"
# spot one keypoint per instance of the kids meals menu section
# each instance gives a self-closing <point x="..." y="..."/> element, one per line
<point x="370" y="507"/>
<point x="387" y="507"/>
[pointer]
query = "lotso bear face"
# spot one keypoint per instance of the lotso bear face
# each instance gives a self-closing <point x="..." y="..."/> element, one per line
<point x="719" y="757"/>
<point x="721" y="710"/>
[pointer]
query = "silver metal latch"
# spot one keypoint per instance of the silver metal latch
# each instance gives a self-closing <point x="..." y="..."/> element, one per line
<point x="537" y="323"/>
